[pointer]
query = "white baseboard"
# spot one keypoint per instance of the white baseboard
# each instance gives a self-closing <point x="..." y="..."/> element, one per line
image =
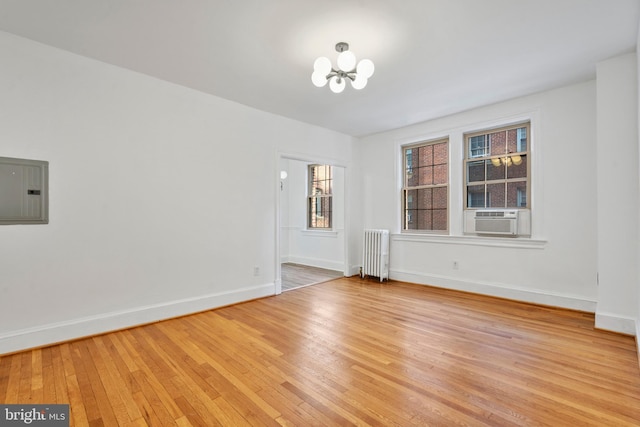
<point x="52" y="333"/>
<point x="616" y="323"/>
<point x="318" y="262"/>
<point x="497" y="290"/>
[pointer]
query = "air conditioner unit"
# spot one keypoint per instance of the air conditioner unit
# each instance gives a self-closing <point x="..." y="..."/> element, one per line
<point x="497" y="221"/>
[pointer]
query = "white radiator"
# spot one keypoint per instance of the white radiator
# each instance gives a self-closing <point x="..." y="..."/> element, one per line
<point x="375" y="254"/>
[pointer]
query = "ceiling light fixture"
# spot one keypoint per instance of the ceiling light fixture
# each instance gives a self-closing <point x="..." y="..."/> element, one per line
<point x="324" y="72"/>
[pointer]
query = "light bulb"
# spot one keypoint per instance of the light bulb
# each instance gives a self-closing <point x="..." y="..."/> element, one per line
<point x="322" y="65"/>
<point x="346" y="60"/>
<point x="366" y="68"/>
<point x="318" y="78"/>
<point x="360" y="82"/>
<point x="337" y="84"/>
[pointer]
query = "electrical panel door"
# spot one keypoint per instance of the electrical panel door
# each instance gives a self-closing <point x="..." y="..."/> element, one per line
<point x="23" y="191"/>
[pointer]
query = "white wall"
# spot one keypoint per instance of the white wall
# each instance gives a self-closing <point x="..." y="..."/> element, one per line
<point x="638" y="219"/>
<point x="618" y="192"/>
<point x="557" y="266"/>
<point x="325" y="249"/>
<point x="163" y="199"/>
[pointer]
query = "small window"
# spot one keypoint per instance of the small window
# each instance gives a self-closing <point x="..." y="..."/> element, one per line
<point x="425" y="192"/>
<point x="478" y="146"/>
<point x="497" y="168"/>
<point x="320" y="197"/>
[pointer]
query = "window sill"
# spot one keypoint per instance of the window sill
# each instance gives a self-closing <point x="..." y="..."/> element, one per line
<point x="320" y="233"/>
<point x="500" y="242"/>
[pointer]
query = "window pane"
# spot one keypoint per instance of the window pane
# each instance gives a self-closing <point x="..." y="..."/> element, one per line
<point x="439" y="219"/>
<point x="440" y="173"/>
<point x="328" y="186"/>
<point x="475" y="196"/>
<point x="495" y="169"/>
<point x="411" y="199"/>
<point x="411" y="164"/>
<point x="517" y="194"/>
<point x="440" y="153"/>
<point x="411" y="219"/>
<point x="512" y="141"/>
<point x="518" y="168"/>
<point x="320" y="179"/>
<point x="426" y="155"/>
<point x="425" y="198"/>
<point x="475" y="171"/>
<point x="521" y="143"/>
<point x="496" y="195"/>
<point x="439" y="198"/>
<point x="412" y="177"/>
<point x="424" y="220"/>
<point x="426" y="175"/>
<point x="320" y="212"/>
<point x="498" y="142"/>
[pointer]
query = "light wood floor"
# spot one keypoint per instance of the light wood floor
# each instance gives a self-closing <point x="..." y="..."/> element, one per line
<point x="345" y="352"/>
<point x="295" y="275"/>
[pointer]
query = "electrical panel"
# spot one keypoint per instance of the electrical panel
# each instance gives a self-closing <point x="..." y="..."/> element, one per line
<point x="24" y="191"/>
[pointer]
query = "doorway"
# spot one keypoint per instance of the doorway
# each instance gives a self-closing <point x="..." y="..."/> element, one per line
<point x="307" y="255"/>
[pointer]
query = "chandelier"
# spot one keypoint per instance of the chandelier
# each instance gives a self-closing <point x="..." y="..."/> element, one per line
<point x="324" y="72"/>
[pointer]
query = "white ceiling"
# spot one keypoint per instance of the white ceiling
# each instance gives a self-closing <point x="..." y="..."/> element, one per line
<point x="432" y="57"/>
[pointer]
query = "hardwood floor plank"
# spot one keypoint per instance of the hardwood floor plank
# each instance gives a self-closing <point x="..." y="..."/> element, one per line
<point x="97" y="381"/>
<point x="345" y="352"/>
<point x="78" y="414"/>
<point x="24" y="388"/>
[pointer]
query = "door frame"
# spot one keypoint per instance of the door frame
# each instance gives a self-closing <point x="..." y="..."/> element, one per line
<point x="307" y="159"/>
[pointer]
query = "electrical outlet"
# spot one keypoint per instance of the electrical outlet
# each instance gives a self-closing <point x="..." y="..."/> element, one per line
<point x="455" y="265"/>
<point x="256" y="271"/>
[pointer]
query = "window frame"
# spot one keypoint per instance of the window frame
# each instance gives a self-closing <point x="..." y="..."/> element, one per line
<point x="468" y="158"/>
<point x="405" y="187"/>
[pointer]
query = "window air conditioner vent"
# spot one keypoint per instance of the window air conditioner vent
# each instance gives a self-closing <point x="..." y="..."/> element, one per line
<point x="494" y="221"/>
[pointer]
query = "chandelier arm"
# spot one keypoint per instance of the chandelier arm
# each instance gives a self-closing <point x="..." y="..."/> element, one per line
<point x="351" y="75"/>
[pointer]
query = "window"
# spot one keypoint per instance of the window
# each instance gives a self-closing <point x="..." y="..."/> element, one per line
<point x="497" y="168"/>
<point x="319" y="206"/>
<point x="425" y="192"/>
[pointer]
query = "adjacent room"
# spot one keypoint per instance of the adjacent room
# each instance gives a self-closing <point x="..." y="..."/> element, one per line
<point x="174" y="176"/>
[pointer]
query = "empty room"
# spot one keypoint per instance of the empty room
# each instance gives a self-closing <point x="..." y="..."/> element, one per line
<point x="286" y="212"/>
